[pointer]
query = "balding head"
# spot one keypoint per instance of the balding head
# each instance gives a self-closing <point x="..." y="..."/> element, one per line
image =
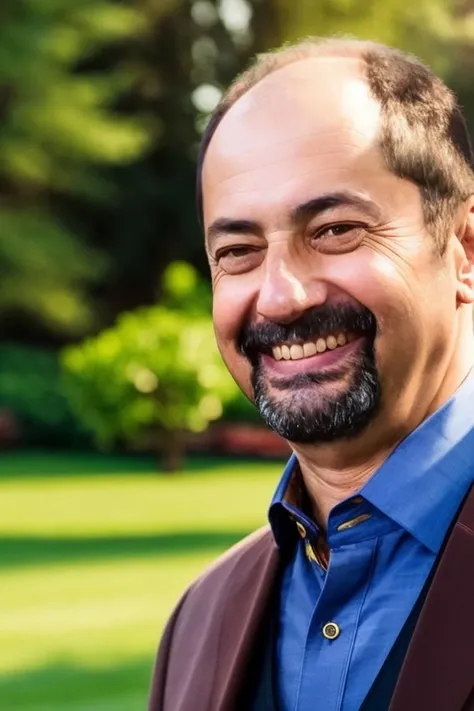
<point x="422" y="133"/>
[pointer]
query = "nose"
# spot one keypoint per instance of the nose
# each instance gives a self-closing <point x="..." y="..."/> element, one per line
<point x="288" y="289"/>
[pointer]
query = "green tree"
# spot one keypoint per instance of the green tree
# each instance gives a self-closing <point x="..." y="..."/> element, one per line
<point x="57" y="128"/>
<point x="157" y="369"/>
<point x="435" y="30"/>
<point x="188" y="54"/>
<point x="31" y="394"/>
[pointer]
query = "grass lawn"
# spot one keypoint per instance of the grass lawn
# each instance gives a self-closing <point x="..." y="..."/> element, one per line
<point x="94" y="553"/>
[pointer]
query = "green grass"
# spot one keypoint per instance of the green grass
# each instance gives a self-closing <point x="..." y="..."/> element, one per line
<point x="94" y="553"/>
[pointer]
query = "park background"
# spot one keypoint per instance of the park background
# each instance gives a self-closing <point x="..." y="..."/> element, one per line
<point x="128" y="459"/>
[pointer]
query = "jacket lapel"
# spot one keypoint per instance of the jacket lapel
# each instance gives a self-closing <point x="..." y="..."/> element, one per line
<point x="244" y="615"/>
<point x="205" y="655"/>
<point x="438" y="673"/>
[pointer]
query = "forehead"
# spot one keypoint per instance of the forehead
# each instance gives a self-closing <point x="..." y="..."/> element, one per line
<point x="310" y="126"/>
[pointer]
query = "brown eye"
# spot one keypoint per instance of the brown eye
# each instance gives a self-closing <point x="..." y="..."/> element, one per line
<point x="237" y="252"/>
<point x="338" y="230"/>
<point x="239" y="259"/>
<point x="339" y="237"/>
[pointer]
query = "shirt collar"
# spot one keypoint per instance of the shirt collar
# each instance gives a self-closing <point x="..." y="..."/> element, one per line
<point x="286" y="507"/>
<point x="420" y="486"/>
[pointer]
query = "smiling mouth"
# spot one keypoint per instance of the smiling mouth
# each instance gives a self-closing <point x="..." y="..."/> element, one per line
<point x="299" y="350"/>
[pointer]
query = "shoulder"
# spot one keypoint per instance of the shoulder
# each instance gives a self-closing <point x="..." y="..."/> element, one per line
<point x="217" y="613"/>
<point x="236" y="573"/>
<point x="235" y="564"/>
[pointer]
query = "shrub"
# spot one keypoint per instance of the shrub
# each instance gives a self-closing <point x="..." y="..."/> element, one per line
<point x="158" y="368"/>
<point x="30" y="389"/>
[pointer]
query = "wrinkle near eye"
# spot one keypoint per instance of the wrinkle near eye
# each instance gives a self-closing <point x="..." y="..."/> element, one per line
<point x="403" y="263"/>
<point x="216" y="277"/>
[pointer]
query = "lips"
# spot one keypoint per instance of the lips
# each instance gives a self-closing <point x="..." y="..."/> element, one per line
<point x="329" y="358"/>
<point x="313" y="337"/>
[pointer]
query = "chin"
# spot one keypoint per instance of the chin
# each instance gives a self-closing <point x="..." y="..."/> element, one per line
<point x="324" y="407"/>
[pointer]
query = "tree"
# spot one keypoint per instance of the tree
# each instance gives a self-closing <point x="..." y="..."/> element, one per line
<point x="158" y="368"/>
<point x="190" y="51"/>
<point x="58" y="127"/>
<point x="434" y="30"/>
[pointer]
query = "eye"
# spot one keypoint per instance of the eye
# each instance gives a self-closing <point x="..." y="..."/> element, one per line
<point x="338" y="237"/>
<point x="238" y="259"/>
<point x="337" y="230"/>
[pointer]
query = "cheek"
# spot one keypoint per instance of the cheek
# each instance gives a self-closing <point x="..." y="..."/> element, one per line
<point x="229" y="307"/>
<point x="393" y="293"/>
<point x="411" y="304"/>
<point x="376" y="282"/>
<point x="233" y="300"/>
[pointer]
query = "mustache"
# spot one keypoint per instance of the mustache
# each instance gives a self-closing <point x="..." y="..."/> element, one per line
<point x="256" y="338"/>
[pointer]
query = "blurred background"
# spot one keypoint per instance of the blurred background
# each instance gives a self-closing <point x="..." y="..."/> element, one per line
<point x="128" y="458"/>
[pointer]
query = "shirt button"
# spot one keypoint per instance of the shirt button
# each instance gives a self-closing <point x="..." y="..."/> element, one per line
<point x="331" y="630"/>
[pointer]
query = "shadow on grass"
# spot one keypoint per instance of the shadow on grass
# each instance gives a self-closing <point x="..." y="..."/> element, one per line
<point x="62" y="464"/>
<point x="60" y="686"/>
<point x="21" y="551"/>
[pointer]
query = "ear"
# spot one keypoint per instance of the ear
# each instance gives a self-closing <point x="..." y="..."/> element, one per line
<point x="465" y="252"/>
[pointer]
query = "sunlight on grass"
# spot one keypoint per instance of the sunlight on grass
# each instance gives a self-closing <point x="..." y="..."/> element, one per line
<point x="89" y="614"/>
<point x="137" y="504"/>
<point x="93" y="561"/>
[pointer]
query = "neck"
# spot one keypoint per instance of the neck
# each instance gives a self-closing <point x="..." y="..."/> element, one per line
<point x="330" y="482"/>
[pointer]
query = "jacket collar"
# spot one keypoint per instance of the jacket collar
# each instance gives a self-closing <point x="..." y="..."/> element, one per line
<point x="437" y="673"/>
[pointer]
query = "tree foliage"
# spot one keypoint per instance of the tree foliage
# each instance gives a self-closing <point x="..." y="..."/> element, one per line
<point x="157" y="368"/>
<point x="31" y="394"/>
<point x="57" y="127"/>
<point x="429" y="28"/>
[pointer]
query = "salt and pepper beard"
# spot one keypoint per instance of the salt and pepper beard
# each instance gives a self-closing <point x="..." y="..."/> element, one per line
<point x="300" y="414"/>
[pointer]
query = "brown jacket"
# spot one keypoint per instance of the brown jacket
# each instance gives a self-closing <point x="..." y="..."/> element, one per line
<point x="204" y="655"/>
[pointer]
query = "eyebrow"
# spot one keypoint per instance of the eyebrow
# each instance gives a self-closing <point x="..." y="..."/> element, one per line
<point x="226" y="226"/>
<point x="323" y="203"/>
<point x="300" y="214"/>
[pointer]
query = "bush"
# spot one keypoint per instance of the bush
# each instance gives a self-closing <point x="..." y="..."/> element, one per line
<point x="157" y="369"/>
<point x="240" y="409"/>
<point x="31" y="390"/>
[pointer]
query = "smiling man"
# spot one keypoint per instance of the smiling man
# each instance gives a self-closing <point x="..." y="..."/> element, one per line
<point x="336" y="190"/>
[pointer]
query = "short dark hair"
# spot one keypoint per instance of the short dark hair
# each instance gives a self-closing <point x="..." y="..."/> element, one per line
<point x="423" y="138"/>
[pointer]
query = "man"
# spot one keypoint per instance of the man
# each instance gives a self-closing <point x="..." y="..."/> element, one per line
<point x="337" y="195"/>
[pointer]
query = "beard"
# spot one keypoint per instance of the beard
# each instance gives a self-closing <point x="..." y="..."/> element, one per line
<point x="301" y="408"/>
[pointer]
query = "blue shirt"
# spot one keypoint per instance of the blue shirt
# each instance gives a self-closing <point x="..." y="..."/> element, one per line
<point x="383" y="544"/>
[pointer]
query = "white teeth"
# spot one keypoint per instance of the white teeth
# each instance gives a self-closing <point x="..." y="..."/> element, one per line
<point x="320" y="345"/>
<point x="331" y="342"/>
<point x="309" y="349"/>
<point x="296" y="352"/>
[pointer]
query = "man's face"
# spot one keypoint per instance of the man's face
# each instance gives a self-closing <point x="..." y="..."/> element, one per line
<point x="330" y="302"/>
